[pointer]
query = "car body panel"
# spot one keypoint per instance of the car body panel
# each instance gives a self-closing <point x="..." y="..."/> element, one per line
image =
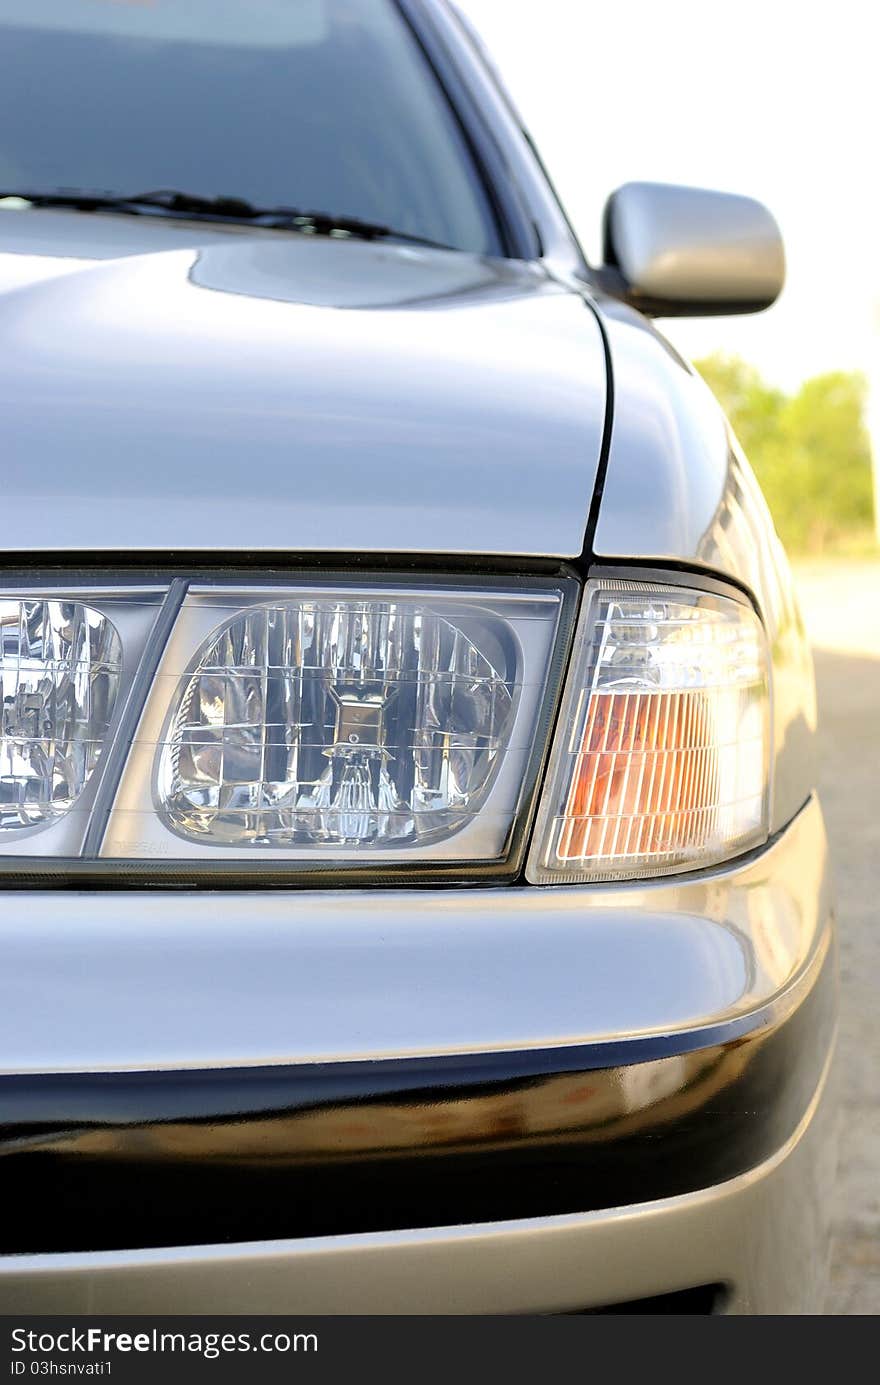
<point x="192" y="978"/>
<point x="106" y="1161"/>
<point x="763" y="1236"/>
<point x="278" y="392"/>
<point x="677" y="491"/>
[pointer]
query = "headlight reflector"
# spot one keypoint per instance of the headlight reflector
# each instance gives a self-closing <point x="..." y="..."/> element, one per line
<point x="330" y="724"/>
<point x="662" y="753"/>
<point x="343" y="722"/>
<point x="60" y="665"/>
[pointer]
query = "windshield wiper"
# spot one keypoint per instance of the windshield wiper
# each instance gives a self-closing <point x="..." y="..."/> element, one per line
<point x="170" y="202"/>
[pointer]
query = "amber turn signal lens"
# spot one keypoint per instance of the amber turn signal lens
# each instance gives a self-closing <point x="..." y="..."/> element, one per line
<point x="662" y="758"/>
<point x="645" y="775"/>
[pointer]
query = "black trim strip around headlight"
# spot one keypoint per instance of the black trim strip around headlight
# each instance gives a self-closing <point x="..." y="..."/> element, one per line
<point x="126" y="727"/>
<point x="111" y="1161"/>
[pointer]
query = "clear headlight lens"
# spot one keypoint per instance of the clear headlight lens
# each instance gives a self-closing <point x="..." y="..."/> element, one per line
<point x="662" y="753"/>
<point x="347" y="723"/>
<point x="60" y="665"/>
<point x="343" y="722"/>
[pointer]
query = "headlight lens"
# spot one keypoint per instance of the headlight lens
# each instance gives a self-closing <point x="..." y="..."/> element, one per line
<point x="60" y="664"/>
<point x="343" y="722"/>
<point x="337" y="724"/>
<point x="333" y="723"/>
<point x="662" y="753"/>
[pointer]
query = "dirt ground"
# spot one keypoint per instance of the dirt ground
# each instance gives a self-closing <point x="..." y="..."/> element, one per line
<point x="841" y="604"/>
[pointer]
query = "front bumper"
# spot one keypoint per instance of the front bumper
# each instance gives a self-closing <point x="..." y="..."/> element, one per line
<point x="763" y="1236"/>
<point x="588" y="1095"/>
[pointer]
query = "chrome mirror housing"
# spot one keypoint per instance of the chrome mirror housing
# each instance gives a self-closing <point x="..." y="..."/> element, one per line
<point x="675" y="251"/>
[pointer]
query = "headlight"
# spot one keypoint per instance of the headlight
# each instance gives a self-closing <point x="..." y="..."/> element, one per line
<point x="342" y="724"/>
<point x="206" y="730"/>
<point x="661" y="758"/>
<point x="60" y="664"/>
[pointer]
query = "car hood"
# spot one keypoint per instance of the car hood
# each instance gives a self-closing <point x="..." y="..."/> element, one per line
<point x="170" y="386"/>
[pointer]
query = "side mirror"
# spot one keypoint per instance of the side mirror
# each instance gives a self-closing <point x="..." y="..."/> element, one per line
<point x="686" y="252"/>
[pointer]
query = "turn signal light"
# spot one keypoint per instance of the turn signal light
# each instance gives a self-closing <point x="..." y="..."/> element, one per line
<point x="662" y="762"/>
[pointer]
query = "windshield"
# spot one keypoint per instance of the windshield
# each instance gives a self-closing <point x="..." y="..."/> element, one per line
<point x="325" y="105"/>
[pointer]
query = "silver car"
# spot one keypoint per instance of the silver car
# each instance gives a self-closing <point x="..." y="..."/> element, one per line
<point x="414" y="891"/>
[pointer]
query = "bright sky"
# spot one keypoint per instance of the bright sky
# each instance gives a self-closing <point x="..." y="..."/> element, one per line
<point x="767" y="97"/>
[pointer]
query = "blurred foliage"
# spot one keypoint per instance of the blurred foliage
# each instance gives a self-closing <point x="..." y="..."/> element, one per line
<point x="810" y="450"/>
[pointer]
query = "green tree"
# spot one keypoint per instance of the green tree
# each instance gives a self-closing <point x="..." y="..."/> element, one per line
<point x="810" y="450"/>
